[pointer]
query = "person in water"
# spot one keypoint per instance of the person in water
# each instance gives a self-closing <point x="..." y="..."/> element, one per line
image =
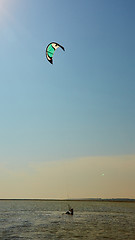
<point x="70" y="212"/>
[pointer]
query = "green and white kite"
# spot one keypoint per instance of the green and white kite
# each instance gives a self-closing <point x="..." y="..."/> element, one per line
<point x="51" y="49"/>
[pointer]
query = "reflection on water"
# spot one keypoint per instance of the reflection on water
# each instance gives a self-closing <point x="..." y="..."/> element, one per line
<point x="45" y="220"/>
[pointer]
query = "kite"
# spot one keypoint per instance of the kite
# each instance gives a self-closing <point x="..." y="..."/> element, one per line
<point x="51" y="49"/>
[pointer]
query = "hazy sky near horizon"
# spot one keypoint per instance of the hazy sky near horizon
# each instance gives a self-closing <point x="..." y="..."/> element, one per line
<point x="78" y="113"/>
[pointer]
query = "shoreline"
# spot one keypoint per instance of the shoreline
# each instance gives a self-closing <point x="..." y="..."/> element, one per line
<point x="83" y="199"/>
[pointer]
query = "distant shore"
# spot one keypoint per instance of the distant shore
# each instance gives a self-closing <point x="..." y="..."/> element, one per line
<point x="77" y="199"/>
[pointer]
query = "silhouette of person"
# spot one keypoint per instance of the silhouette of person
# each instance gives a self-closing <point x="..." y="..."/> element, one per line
<point x="70" y="212"/>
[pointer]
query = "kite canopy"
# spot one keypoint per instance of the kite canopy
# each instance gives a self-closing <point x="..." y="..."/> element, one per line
<point x="51" y="49"/>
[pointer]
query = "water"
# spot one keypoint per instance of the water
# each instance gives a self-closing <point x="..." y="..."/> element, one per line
<point x="45" y="220"/>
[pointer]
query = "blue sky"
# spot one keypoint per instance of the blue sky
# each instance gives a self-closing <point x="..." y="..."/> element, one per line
<point x="84" y="104"/>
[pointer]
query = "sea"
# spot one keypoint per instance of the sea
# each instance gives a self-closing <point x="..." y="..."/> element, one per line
<point x="46" y="219"/>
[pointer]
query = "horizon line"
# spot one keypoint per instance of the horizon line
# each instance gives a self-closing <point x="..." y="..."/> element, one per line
<point x="71" y="199"/>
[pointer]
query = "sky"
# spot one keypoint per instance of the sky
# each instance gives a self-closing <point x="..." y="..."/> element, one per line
<point x="67" y="130"/>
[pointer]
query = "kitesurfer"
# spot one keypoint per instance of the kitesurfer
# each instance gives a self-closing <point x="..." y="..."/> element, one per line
<point x="70" y="212"/>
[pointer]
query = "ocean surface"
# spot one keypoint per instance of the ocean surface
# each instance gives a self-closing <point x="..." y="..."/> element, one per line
<point x="30" y="219"/>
